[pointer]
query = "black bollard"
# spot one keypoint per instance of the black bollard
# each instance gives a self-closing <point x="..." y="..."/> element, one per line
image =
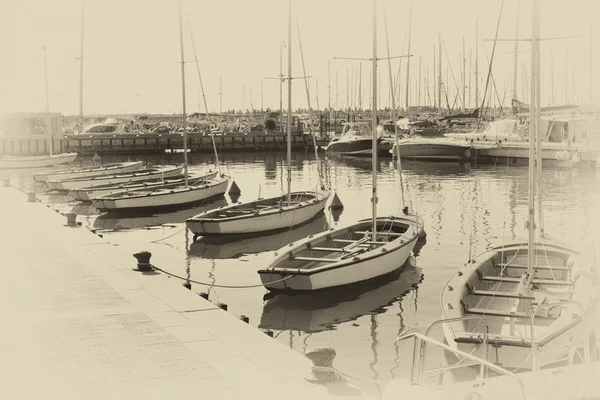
<point x="323" y="371"/>
<point x="204" y="295"/>
<point x="245" y="319"/>
<point x="71" y="218"/>
<point x="187" y="285"/>
<point x="143" y="261"/>
<point x="222" y="305"/>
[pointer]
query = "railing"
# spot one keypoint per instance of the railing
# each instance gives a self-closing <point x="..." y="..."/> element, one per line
<point x="419" y="337"/>
<point x="482" y="372"/>
<point x="582" y="319"/>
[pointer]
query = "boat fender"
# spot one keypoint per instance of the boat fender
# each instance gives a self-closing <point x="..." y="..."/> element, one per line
<point x="576" y="158"/>
<point x="468" y="153"/>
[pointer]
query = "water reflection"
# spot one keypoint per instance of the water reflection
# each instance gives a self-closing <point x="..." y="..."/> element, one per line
<point x="316" y="312"/>
<point x="137" y="220"/>
<point x="234" y="246"/>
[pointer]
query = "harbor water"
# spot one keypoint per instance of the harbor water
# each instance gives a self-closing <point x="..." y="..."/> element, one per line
<point x="465" y="208"/>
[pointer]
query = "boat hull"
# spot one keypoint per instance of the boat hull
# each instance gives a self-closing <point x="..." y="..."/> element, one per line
<point x="15" y="162"/>
<point x="362" y="267"/>
<point x="262" y="220"/>
<point x="473" y="290"/>
<point x="432" y="150"/>
<point x="161" y="198"/>
<point x="88" y="172"/>
<point x="352" y="147"/>
<point x="135" y="176"/>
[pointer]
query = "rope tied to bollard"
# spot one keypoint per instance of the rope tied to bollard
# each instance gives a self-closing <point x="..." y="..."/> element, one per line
<point x="214" y="284"/>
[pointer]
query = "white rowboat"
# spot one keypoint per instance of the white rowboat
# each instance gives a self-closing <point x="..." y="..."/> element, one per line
<point x="36" y="161"/>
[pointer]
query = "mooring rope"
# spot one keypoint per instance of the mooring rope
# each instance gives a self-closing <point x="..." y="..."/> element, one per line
<point x="219" y="286"/>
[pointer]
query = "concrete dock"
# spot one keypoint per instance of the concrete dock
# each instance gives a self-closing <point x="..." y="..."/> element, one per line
<point x="79" y="323"/>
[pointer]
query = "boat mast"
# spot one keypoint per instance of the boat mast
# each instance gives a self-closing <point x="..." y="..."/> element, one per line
<point x="185" y="169"/>
<point x="49" y="122"/>
<point x="212" y="137"/>
<point x="374" y="126"/>
<point x="591" y="47"/>
<point x="407" y="97"/>
<point x="464" y="79"/>
<point x="289" y="116"/>
<point x="394" y="116"/>
<point x="440" y="71"/>
<point x="477" y="66"/>
<point x="533" y="131"/>
<point x="81" y="72"/>
<point x="514" y="93"/>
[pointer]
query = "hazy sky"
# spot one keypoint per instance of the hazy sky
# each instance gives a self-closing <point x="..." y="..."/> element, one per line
<point x="131" y="50"/>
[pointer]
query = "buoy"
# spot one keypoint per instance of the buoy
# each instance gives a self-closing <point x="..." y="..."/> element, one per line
<point x="468" y="153"/>
<point x="336" y="203"/>
<point x="412" y="261"/>
<point x="72" y="219"/>
<point x="564" y="155"/>
<point x="234" y="188"/>
<point x="143" y="261"/>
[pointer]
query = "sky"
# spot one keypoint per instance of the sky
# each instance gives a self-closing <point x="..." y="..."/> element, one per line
<point x="132" y="52"/>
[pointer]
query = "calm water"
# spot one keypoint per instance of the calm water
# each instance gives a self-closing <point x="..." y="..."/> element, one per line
<point x="465" y="208"/>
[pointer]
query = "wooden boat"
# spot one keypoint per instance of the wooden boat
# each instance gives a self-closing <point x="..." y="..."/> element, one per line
<point x="343" y="256"/>
<point x="163" y="196"/>
<point x="74" y="173"/>
<point x="363" y="251"/>
<point x="36" y="161"/>
<point x="91" y="192"/>
<point x="536" y="297"/>
<point x="265" y="215"/>
<point x="158" y="172"/>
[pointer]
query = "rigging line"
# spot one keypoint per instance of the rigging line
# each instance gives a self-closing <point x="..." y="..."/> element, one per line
<point x="492" y="59"/>
<point x="219" y="286"/>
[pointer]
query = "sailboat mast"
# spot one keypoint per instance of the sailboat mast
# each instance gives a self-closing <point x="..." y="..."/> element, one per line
<point x="408" y="60"/>
<point x="289" y="116"/>
<point x="538" y="124"/>
<point x="477" y="65"/>
<point x="374" y="125"/>
<point x="185" y="169"/>
<point x="49" y="122"/>
<point x="81" y="71"/>
<point x="514" y="93"/>
<point x="533" y="130"/>
<point x="591" y="48"/>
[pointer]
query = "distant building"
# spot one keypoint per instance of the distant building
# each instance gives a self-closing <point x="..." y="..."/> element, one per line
<point x="31" y="125"/>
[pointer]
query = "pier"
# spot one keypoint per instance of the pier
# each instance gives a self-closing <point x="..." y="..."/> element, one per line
<point x="79" y="322"/>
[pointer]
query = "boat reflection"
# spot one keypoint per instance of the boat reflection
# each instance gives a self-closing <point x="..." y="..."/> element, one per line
<point x="136" y="220"/>
<point x="433" y="168"/>
<point x="320" y="311"/>
<point x="356" y="162"/>
<point x="234" y="246"/>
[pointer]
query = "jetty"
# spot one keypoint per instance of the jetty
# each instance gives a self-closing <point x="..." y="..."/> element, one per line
<point x="80" y="322"/>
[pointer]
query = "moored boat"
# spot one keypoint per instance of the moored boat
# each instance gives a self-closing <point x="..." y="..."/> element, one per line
<point x="263" y="215"/>
<point x="435" y="149"/>
<point x="91" y="192"/>
<point x="36" y="161"/>
<point x="161" y="197"/>
<point x="343" y="256"/>
<point x="158" y="172"/>
<point x="73" y="173"/>
<point x="354" y="140"/>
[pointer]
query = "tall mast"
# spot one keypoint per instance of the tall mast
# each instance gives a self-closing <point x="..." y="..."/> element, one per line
<point x="329" y="85"/>
<point x="185" y="168"/>
<point x="289" y="116"/>
<point x="374" y="126"/>
<point x="477" y="64"/>
<point x="81" y="70"/>
<point x="440" y="71"/>
<point x="220" y="97"/>
<point x="433" y="80"/>
<point x="470" y="74"/>
<point x="407" y="95"/>
<point x="360" y="86"/>
<point x="533" y="133"/>
<point x="514" y="93"/>
<point x="591" y="47"/>
<point x="49" y="122"/>
<point x="464" y="79"/>
<point x="281" y="83"/>
<point x="419" y="92"/>
<point x="551" y="74"/>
